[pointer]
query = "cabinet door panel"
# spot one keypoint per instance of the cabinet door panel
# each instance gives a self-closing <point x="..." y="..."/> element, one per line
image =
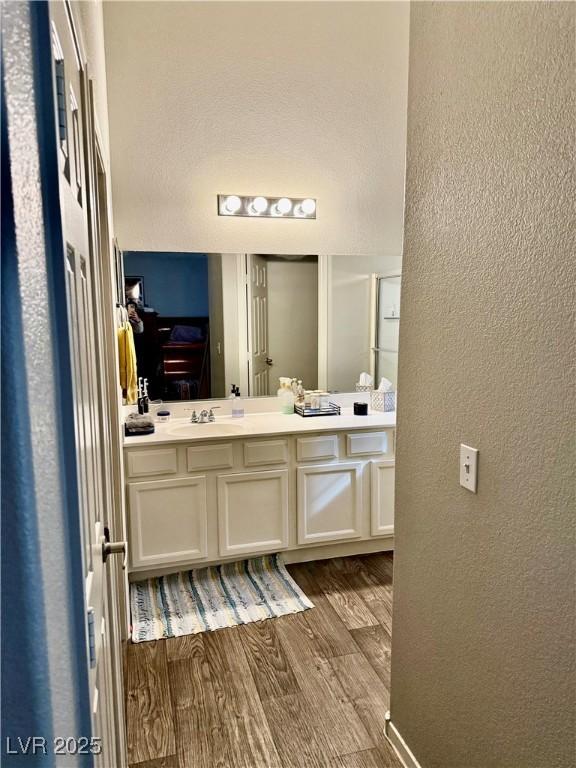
<point x="382" y="506"/>
<point x="203" y="457"/>
<point x="329" y="502"/>
<point x="253" y="512"/>
<point x="365" y="443"/>
<point x="314" y="448"/>
<point x="168" y="521"/>
<point x="161" y="461"/>
<point x="258" y="452"/>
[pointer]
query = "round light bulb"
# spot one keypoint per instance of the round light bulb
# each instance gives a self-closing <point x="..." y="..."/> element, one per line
<point x="284" y="206"/>
<point x="259" y="204"/>
<point x="308" y="206"/>
<point x="232" y="204"/>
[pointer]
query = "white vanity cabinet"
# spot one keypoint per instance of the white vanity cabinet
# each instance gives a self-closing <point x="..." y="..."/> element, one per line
<point x="192" y="503"/>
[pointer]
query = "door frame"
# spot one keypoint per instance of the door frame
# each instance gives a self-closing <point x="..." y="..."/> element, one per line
<point x="324" y="309"/>
<point x="102" y="246"/>
<point x="243" y="341"/>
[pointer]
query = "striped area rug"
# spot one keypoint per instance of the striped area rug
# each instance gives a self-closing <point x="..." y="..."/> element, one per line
<point x="213" y="598"/>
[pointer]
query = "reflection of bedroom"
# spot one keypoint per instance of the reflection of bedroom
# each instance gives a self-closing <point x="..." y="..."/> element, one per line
<point x="173" y="347"/>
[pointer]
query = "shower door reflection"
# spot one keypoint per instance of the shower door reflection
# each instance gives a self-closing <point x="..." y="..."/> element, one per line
<point x="386" y="322"/>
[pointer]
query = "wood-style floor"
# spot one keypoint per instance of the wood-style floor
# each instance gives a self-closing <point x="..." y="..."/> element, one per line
<point x="302" y="691"/>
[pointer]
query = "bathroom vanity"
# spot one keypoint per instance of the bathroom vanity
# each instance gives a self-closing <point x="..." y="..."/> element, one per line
<point x="307" y="487"/>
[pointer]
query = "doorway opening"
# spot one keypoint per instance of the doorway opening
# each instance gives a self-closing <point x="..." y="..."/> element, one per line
<point x="282" y="320"/>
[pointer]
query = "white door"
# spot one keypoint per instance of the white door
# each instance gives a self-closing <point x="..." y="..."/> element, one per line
<point x="257" y="294"/>
<point x="84" y="316"/>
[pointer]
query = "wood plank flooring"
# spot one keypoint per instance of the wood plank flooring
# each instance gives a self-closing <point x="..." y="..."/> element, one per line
<point x="308" y="690"/>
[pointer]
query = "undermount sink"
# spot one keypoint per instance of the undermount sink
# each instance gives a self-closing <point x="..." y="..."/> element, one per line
<point x="201" y="430"/>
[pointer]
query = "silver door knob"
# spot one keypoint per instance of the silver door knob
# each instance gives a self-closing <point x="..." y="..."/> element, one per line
<point x="114" y="548"/>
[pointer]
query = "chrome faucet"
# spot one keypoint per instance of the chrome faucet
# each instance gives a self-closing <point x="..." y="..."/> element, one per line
<point x="204" y="417"/>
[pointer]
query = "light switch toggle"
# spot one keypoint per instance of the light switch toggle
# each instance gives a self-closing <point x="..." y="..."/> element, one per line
<point x="468" y="467"/>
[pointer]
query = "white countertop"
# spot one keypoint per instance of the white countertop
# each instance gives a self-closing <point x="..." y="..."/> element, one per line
<point x="259" y="424"/>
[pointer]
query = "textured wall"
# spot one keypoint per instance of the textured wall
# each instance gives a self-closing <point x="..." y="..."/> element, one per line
<point x="484" y="584"/>
<point x="258" y="98"/>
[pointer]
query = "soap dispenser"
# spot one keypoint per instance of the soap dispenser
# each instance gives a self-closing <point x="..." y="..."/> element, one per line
<point x="237" y="404"/>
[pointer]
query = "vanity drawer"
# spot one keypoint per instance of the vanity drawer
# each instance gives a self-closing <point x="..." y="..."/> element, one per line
<point x="162" y="461"/>
<point x="213" y="456"/>
<point x="259" y="452"/>
<point x="313" y="448"/>
<point x="368" y="443"/>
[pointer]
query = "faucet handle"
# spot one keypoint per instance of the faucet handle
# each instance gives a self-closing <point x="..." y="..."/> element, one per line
<point x="211" y="416"/>
<point x="194" y="417"/>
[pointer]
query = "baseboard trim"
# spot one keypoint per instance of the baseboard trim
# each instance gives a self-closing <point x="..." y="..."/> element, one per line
<point x="296" y="555"/>
<point x="400" y="747"/>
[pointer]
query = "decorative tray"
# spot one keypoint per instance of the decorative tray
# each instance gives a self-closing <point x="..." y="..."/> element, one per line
<point x="330" y="410"/>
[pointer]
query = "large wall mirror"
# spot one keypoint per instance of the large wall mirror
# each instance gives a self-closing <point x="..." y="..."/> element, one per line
<point x="203" y="322"/>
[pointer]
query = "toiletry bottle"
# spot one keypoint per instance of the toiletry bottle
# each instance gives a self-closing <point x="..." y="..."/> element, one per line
<point x="281" y="392"/>
<point x="237" y="405"/>
<point x="140" y="396"/>
<point x="287" y="399"/>
<point x="145" y="398"/>
<point x="300" y="393"/>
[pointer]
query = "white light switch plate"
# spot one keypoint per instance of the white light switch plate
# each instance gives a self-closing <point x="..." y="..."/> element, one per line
<point x="468" y="467"/>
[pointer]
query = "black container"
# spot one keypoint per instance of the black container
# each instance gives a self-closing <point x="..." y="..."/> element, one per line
<point x="360" y="409"/>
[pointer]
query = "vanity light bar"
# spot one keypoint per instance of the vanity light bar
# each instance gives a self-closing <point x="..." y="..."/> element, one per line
<point x="267" y="207"/>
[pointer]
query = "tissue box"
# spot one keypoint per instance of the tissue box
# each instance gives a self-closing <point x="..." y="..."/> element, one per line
<point x="383" y="401"/>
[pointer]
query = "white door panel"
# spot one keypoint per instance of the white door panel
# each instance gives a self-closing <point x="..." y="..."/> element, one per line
<point x="330" y="505"/>
<point x="168" y="521"/>
<point x="257" y="271"/>
<point x="382" y="506"/>
<point x="253" y="512"/>
<point x="77" y="201"/>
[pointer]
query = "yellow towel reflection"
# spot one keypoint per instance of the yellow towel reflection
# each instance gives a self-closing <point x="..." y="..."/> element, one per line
<point x="127" y="361"/>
